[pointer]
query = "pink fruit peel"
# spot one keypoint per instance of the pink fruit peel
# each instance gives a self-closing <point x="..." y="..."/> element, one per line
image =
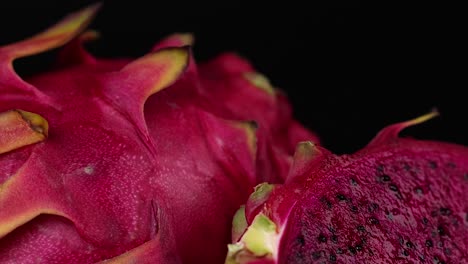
<point x="396" y="200"/>
<point x="121" y="161"/>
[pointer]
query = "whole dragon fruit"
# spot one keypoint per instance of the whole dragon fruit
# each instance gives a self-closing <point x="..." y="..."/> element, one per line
<point x="132" y="161"/>
<point x="398" y="200"/>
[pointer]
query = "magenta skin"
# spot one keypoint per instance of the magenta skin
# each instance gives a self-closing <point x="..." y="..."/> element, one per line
<point x="132" y="160"/>
<point x="396" y="200"/>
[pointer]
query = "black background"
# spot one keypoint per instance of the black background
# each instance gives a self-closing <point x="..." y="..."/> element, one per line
<point x="349" y="68"/>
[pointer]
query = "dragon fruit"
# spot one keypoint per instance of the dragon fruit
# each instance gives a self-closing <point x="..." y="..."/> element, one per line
<point x="397" y="200"/>
<point x="132" y="161"/>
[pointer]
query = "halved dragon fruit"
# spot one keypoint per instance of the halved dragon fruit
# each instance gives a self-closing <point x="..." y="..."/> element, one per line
<point x="398" y="200"/>
<point x="142" y="161"/>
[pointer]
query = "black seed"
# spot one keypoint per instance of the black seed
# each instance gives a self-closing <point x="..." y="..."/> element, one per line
<point x="380" y="168"/>
<point x="429" y="243"/>
<point x="341" y="197"/>
<point x="352" y="250"/>
<point x="359" y="247"/>
<point x="418" y="190"/>
<point x="334" y="239"/>
<point x="354" y="209"/>
<point x="432" y="164"/>
<point x="409" y="244"/>
<point x="406" y="167"/>
<point x="326" y="202"/>
<point x="316" y="255"/>
<point x="393" y="187"/>
<point x="405" y="252"/>
<point x="298" y="257"/>
<point x="390" y="216"/>
<point x="385" y="178"/>
<point x="400" y="239"/>
<point x="441" y="230"/>
<point x="322" y="238"/>
<point x="373" y="221"/>
<point x="361" y="228"/>
<point x="425" y="221"/>
<point x="438" y="261"/>
<point x="332" y="257"/>
<point x="447" y="251"/>
<point x="466" y="176"/>
<point x="445" y="211"/>
<point x="451" y="165"/>
<point x="372" y="207"/>
<point x="353" y="181"/>
<point x="331" y="229"/>
<point x="300" y="240"/>
<point x="422" y="258"/>
<point x="339" y="251"/>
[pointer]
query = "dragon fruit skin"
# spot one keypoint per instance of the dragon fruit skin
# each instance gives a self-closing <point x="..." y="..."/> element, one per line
<point x="397" y="200"/>
<point x="229" y="87"/>
<point x="247" y="95"/>
<point x="277" y="133"/>
<point x="131" y="160"/>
